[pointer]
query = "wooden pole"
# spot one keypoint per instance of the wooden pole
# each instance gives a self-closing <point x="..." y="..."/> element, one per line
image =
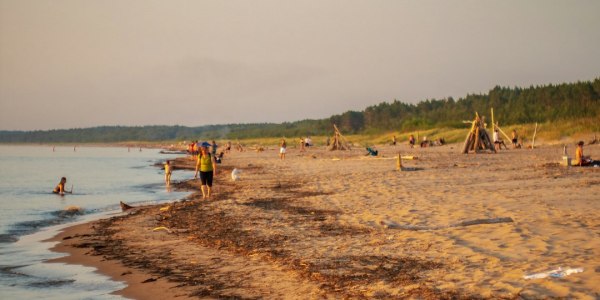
<point x="399" y="163"/>
<point x="477" y="140"/>
<point x="493" y="124"/>
<point x="534" y="133"/>
<point x="468" y="139"/>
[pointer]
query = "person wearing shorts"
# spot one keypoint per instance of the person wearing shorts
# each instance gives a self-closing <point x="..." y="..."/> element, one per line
<point x="206" y="167"/>
<point x="282" y="149"/>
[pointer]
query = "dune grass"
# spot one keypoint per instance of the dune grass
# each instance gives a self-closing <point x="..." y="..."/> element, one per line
<point x="559" y="132"/>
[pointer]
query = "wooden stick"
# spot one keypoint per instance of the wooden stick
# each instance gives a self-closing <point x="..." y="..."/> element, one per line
<point x="468" y="140"/>
<point x="477" y="140"/>
<point x="492" y="112"/>
<point x="534" y="133"/>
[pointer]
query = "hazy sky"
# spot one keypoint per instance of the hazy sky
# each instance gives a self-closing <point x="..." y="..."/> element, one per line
<point x="67" y="64"/>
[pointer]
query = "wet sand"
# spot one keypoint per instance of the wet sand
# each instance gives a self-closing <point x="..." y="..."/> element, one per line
<point x="343" y="225"/>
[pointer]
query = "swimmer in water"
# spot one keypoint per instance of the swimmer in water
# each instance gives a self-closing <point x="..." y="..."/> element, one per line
<point x="60" y="188"/>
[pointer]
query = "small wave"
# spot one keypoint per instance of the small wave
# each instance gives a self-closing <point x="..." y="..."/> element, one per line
<point x="69" y="212"/>
<point x="27" y="227"/>
<point x="12" y="271"/>
<point x="50" y="283"/>
<point x="8" y="238"/>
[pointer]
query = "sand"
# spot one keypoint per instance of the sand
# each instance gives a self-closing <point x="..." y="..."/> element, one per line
<point x="323" y="224"/>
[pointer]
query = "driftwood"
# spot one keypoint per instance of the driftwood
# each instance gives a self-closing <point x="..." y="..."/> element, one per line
<point x="534" y="133"/>
<point x="393" y="225"/>
<point x="125" y="206"/>
<point x="339" y="141"/>
<point x="478" y="139"/>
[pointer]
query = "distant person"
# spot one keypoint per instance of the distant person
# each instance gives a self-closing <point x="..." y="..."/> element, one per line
<point x="498" y="142"/>
<point x="411" y="141"/>
<point x="308" y="141"/>
<point x="372" y="152"/>
<point x="282" y="149"/>
<point x="168" y="173"/>
<point x="515" y="139"/>
<point x="206" y="166"/>
<point x="425" y="142"/>
<point x="190" y="148"/>
<point x="60" y="188"/>
<point x="302" y="144"/>
<point x="228" y="147"/>
<point x="394" y="141"/>
<point x="582" y="160"/>
<point x="214" y="148"/>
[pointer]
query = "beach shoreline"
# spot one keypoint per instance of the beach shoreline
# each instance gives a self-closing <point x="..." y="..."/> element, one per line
<point x="340" y="224"/>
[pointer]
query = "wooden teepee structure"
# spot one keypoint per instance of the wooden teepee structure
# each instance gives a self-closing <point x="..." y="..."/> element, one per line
<point x="338" y="142"/>
<point x="478" y="139"/>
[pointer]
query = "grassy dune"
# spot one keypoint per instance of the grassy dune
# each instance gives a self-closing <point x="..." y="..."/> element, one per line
<point x="561" y="132"/>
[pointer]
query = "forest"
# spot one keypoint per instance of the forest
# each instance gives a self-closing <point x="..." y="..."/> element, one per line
<point x="548" y="103"/>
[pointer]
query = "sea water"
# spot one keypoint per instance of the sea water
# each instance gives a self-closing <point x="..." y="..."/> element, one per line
<point x="30" y="213"/>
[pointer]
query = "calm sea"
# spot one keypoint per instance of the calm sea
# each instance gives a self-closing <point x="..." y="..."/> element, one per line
<point x="30" y="213"/>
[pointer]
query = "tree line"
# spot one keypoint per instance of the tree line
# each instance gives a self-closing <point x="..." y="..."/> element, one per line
<point x="514" y="105"/>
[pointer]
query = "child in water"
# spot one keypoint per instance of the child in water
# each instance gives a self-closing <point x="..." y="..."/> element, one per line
<point x="60" y="188"/>
<point x="168" y="173"/>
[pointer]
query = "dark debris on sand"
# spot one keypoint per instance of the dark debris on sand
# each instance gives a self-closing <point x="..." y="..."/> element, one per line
<point x="214" y="226"/>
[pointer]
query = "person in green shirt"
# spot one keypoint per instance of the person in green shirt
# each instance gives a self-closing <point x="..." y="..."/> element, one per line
<point x="206" y="167"/>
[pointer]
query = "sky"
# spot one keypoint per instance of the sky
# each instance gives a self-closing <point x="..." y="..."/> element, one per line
<point x="78" y="64"/>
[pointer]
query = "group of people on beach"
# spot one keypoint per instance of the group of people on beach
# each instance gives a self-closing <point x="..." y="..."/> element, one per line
<point x="206" y="161"/>
<point x="499" y="143"/>
<point x="206" y="165"/>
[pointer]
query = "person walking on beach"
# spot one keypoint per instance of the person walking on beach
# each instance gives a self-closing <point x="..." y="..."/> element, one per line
<point x="282" y="149"/>
<point x="168" y="173"/>
<point x="302" y="149"/>
<point x="207" y="167"/>
<point x="60" y="188"/>
<point x="498" y="142"/>
<point x="411" y="141"/>
<point x="394" y="141"/>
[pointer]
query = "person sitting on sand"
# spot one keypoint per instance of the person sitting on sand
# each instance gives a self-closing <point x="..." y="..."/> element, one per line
<point x="228" y="147"/>
<point x="168" y="173"/>
<point x="581" y="160"/>
<point x="207" y="167"/>
<point x="308" y="142"/>
<point x="60" y="188"/>
<point x="372" y="152"/>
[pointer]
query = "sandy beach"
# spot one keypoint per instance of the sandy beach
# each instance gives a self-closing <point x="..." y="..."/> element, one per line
<point x="339" y="224"/>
